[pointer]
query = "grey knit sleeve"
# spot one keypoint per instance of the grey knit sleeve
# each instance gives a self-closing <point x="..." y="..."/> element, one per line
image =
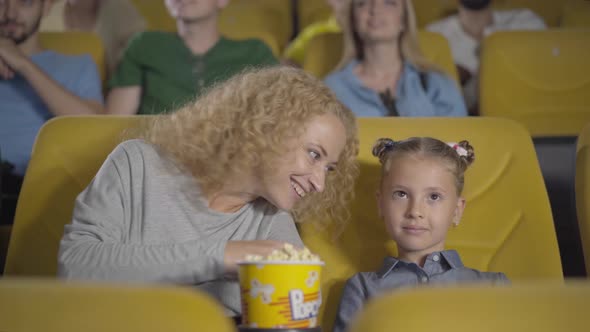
<point x="283" y="229"/>
<point x="96" y="244"/>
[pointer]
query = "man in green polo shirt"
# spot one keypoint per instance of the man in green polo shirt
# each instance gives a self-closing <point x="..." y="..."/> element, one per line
<point x="161" y="71"/>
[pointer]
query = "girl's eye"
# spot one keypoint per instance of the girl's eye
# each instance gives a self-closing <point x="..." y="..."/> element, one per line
<point x="399" y="194"/>
<point x="434" y="197"/>
<point x="330" y="169"/>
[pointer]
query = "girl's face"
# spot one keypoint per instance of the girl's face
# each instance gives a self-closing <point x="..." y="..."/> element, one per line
<point x="307" y="161"/>
<point x="378" y="20"/>
<point x="418" y="201"/>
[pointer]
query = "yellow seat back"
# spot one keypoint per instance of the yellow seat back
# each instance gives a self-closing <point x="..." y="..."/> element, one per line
<point x="576" y="14"/>
<point x="583" y="191"/>
<point x="312" y="11"/>
<point x="56" y="306"/>
<point x="540" y="307"/>
<point x="258" y="19"/>
<point x="77" y="43"/>
<point x="549" y="10"/>
<point x="539" y="78"/>
<point x="428" y="11"/>
<point x="155" y="14"/>
<point x="325" y="50"/>
<point x="245" y="21"/>
<point x="507" y="225"/>
<point x="66" y="156"/>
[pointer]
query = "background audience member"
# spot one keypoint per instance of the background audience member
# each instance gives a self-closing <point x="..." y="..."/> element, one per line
<point x="383" y="72"/>
<point x="465" y="31"/>
<point x="35" y="85"/>
<point x="161" y="71"/>
<point x="114" y="21"/>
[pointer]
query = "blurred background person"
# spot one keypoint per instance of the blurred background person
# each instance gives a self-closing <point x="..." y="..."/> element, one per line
<point x="35" y="85"/>
<point x="383" y="72"/>
<point x="465" y="31"/>
<point x="161" y="71"/>
<point x="114" y="21"/>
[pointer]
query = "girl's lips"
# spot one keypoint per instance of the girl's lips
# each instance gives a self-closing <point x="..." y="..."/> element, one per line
<point x="414" y="229"/>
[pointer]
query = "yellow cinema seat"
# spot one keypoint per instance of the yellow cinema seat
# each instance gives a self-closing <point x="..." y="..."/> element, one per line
<point x="57" y="306"/>
<point x="245" y="22"/>
<point x="66" y="156"/>
<point x="274" y="15"/>
<point x="539" y="78"/>
<point x="576" y="14"/>
<point x="312" y="11"/>
<point x="324" y="52"/>
<point x="583" y="191"/>
<point x="155" y="14"/>
<point x="77" y="43"/>
<point x="507" y="225"/>
<point x="428" y="11"/>
<point x="549" y="10"/>
<point x="540" y="307"/>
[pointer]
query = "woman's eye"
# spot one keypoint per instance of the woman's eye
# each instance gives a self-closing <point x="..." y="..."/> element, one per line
<point x="314" y="155"/>
<point x="330" y="168"/>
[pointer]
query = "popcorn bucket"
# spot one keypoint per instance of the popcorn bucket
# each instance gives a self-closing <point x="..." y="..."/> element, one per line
<point x="280" y="294"/>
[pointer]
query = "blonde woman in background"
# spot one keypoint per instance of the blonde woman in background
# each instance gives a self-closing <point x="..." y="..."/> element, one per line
<point x="383" y="72"/>
<point x="223" y="177"/>
<point x="114" y="21"/>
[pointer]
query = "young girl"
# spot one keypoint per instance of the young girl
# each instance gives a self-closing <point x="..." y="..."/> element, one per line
<point x="419" y="199"/>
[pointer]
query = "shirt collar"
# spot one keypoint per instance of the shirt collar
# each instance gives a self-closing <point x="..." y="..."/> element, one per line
<point x="451" y="257"/>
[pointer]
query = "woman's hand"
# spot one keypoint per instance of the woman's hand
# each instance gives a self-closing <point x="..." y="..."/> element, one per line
<point x="236" y="251"/>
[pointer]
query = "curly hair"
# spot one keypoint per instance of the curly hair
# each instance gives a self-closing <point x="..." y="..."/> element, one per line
<point x="246" y="122"/>
<point x="387" y="149"/>
<point x="408" y="39"/>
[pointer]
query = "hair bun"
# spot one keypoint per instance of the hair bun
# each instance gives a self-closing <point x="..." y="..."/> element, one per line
<point x="381" y="147"/>
<point x="469" y="158"/>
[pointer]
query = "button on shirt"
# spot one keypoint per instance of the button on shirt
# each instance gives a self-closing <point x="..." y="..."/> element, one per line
<point x="440" y="98"/>
<point x="439" y="268"/>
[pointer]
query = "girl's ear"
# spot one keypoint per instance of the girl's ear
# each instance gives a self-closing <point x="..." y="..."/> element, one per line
<point x="459" y="211"/>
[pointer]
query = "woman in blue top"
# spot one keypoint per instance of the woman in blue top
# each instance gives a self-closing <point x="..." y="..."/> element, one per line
<point x="383" y="72"/>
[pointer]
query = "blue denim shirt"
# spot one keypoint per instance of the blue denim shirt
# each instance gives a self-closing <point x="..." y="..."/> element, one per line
<point x="441" y="97"/>
<point x="440" y="267"/>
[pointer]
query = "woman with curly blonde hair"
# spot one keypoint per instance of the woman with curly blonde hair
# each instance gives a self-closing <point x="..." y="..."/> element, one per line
<point x="215" y="181"/>
<point x="383" y="72"/>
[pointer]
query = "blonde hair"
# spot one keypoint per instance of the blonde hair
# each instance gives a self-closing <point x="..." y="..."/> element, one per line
<point x="408" y="40"/>
<point x="387" y="149"/>
<point x="246" y="122"/>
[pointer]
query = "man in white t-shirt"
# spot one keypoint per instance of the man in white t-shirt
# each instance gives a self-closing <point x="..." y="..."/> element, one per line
<point x="465" y="30"/>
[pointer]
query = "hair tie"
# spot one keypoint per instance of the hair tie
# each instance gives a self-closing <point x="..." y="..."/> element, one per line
<point x="459" y="149"/>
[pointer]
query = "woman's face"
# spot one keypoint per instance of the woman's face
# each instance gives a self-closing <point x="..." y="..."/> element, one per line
<point x="378" y="20"/>
<point x="308" y="159"/>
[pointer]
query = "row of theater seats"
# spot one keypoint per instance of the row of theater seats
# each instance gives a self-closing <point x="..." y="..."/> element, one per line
<point x="507" y="225"/>
<point x="50" y="306"/>
<point x="274" y="21"/>
<point x="539" y="78"/>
